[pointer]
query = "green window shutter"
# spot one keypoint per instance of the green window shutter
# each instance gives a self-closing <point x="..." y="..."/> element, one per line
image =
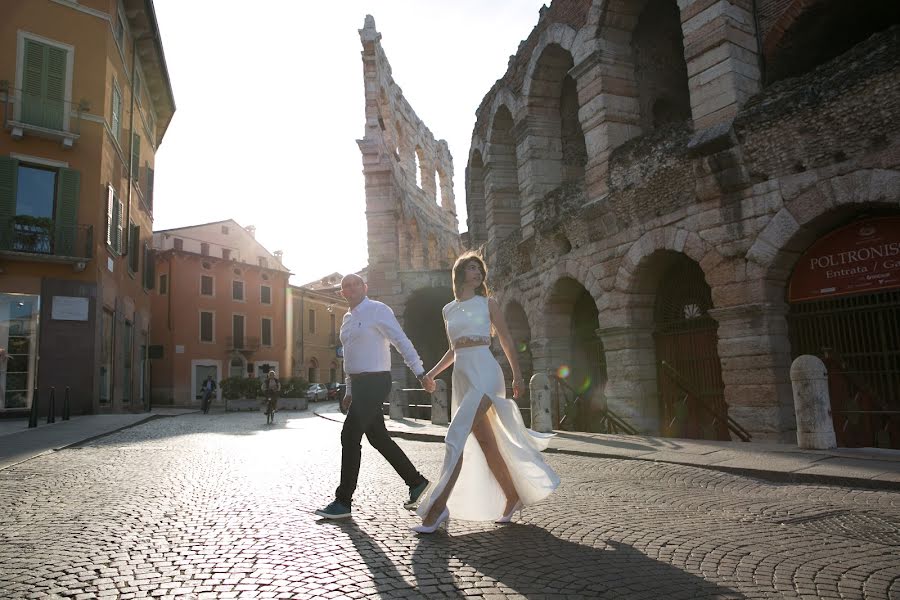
<point x="149" y="267"/>
<point x="67" y="194"/>
<point x="149" y="194"/>
<point x="114" y="235"/>
<point x="134" y="243"/>
<point x="120" y="227"/>
<point x="116" y="113"/>
<point x="135" y="156"/>
<point x="43" y="85"/>
<point x="9" y="168"/>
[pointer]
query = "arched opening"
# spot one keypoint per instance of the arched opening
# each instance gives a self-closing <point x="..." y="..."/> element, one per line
<point x="475" y="208"/>
<point x="501" y="176"/>
<point x="424" y="324"/>
<point x="844" y="299"/>
<point x="237" y="366"/>
<point x="312" y="371"/>
<point x="419" y="167"/>
<point x="689" y="373"/>
<point x="438" y="187"/>
<point x="812" y="33"/>
<point x="660" y="69"/>
<point x="520" y="330"/>
<point x="577" y="355"/>
<point x="553" y="102"/>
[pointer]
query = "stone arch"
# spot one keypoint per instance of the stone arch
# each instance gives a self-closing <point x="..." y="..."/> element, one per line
<point x="504" y="97"/>
<point x="556" y="34"/>
<point x="812" y="211"/>
<point x="312" y="372"/>
<point x="811" y="32"/>
<point x="569" y="344"/>
<point x="520" y="330"/>
<point x="475" y="200"/>
<point x="501" y="177"/>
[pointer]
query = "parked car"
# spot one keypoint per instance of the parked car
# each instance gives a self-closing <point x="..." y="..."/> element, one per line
<point x="336" y="391"/>
<point x="316" y="391"/>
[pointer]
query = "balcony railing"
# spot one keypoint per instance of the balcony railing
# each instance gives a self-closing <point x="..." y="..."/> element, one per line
<point x="45" y="238"/>
<point x="242" y="343"/>
<point x="40" y="115"/>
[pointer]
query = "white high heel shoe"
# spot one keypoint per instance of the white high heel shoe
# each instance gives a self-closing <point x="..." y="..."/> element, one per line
<point x="507" y="518"/>
<point x="441" y="521"/>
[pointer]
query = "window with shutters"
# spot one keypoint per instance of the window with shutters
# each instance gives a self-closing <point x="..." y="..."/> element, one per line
<point x="163" y="284"/>
<point x="137" y="87"/>
<point x="135" y="156"/>
<point x="44" y="84"/>
<point x="120" y="28"/>
<point x="206" y="285"/>
<point x="116" y="118"/>
<point x="207" y="319"/>
<point x="178" y="243"/>
<point x="237" y="290"/>
<point x="134" y="246"/>
<point x="38" y="207"/>
<point x="115" y="216"/>
<point x="148" y="194"/>
<point x="312" y="321"/>
<point x="266" y="332"/>
<point x="265" y="294"/>
<point x="204" y="249"/>
<point x="149" y="267"/>
<point x="226" y="253"/>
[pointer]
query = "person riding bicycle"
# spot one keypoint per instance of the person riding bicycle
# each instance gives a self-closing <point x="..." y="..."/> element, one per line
<point x="208" y="388"/>
<point x="270" y="387"/>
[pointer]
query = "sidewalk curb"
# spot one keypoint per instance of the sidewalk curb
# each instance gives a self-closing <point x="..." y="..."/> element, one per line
<point x="771" y="476"/>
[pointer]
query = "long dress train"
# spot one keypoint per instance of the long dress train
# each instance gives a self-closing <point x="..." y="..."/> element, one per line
<point x="477" y="496"/>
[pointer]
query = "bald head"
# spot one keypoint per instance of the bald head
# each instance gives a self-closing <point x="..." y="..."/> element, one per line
<point x="353" y="289"/>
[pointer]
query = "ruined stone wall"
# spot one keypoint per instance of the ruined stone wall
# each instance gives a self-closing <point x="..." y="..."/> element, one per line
<point x="740" y="189"/>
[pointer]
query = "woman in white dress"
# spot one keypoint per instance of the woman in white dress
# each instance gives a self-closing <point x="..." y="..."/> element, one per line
<point x="498" y="469"/>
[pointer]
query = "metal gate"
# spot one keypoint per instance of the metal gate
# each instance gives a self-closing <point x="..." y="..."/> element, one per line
<point x="689" y="373"/>
<point x="858" y="338"/>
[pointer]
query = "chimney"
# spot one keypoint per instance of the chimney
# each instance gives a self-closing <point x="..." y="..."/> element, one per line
<point x="278" y="254"/>
<point x="251" y="229"/>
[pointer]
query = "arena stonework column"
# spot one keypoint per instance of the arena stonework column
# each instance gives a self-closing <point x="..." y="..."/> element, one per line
<point x="754" y="351"/>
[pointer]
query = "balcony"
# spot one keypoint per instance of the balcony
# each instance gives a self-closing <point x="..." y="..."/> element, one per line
<point x="242" y="344"/>
<point x="40" y="115"/>
<point x="38" y="239"/>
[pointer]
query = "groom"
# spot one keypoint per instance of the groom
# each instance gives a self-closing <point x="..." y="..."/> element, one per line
<point x="367" y="331"/>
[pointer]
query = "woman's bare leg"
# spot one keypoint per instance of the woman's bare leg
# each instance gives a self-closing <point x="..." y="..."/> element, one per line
<point x="484" y="433"/>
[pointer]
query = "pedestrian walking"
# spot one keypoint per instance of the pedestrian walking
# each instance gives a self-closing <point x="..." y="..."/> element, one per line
<point x="207" y="389"/>
<point x="504" y="471"/>
<point x="271" y="387"/>
<point x="368" y="330"/>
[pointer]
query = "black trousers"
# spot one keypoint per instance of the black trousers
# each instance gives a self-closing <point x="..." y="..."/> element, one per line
<point x="366" y="418"/>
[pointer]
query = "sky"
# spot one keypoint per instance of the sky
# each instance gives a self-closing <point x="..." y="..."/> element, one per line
<point x="270" y="105"/>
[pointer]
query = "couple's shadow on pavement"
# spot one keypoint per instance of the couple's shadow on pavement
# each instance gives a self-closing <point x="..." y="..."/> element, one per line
<point x="528" y="560"/>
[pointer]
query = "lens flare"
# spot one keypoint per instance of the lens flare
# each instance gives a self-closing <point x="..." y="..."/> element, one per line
<point x="585" y="385"/>
<point x="563" y="371"/>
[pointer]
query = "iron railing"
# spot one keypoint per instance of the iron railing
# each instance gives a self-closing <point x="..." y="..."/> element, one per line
<point x="44" y="236"/>
<point x="581" y="416"/>
<point x="247" y="344"/>
<point x="690" y="397"/>
<point x="40" y="110"/>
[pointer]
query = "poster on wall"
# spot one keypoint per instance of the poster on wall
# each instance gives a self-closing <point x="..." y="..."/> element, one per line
<point x="858" y="258"/>
<point x="69" y="308"/>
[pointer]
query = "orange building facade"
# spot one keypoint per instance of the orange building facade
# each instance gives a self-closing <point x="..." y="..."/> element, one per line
<point x="316" y="311"/>
<point x="86" y="101"/>
<point x="219" y="309"/>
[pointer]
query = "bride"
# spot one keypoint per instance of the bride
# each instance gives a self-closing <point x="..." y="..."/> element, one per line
<point x="498" y="469"/>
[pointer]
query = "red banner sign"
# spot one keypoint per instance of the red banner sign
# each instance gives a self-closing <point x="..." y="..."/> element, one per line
<point x="858" y="258"/>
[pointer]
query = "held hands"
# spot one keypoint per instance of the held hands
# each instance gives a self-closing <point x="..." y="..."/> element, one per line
<point x="428" y="383"/>
<point x="345" y="403"/>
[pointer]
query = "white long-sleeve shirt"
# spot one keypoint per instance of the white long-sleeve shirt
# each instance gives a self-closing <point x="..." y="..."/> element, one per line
<point x="367" y="333"/>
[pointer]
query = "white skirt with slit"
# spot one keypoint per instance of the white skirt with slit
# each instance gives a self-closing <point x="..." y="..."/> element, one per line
<point x="477" y="496"/>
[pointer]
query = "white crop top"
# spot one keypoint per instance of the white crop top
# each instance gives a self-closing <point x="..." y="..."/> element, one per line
<point x="468" y="319"/>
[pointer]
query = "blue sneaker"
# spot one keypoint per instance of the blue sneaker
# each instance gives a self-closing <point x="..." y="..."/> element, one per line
<point x="415" y="492"/>
<point x="335" y="510"/>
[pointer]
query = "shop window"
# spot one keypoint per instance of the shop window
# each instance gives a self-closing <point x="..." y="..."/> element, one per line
<point x="18" y="349"/>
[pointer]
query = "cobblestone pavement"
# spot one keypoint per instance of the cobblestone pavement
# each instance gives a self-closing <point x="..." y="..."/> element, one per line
<point x="219" y="506"/>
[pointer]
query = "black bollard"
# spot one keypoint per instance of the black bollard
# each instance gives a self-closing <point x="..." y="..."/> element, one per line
<point x="33" y="415"/>
<point x="51" y="407"/>
<point x="66" y="408"/>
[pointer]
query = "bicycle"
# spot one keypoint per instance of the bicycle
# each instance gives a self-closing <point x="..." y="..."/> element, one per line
<point x="271" y="407"/>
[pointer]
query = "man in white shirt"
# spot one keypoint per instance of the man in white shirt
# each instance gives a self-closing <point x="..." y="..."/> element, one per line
<point x="367" y="332"/>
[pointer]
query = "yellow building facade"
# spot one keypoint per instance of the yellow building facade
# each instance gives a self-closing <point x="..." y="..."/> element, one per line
<point x="86" y="101"/>
<point x="315" y="312"/>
